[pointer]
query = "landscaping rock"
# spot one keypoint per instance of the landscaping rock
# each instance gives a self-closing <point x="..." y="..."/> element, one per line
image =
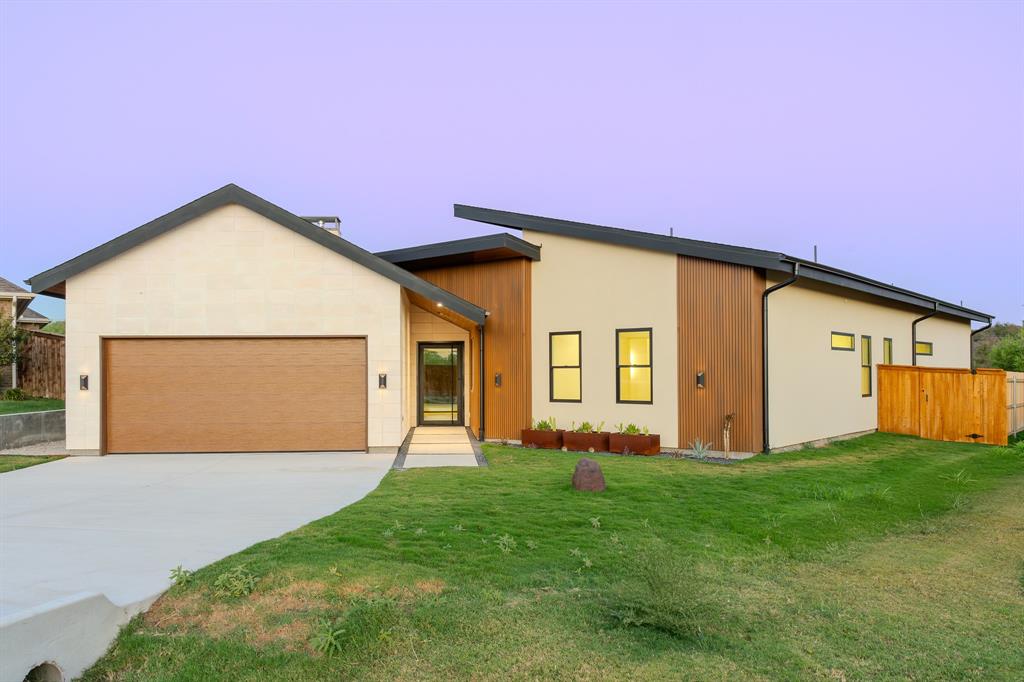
<point x="588" y="476"/>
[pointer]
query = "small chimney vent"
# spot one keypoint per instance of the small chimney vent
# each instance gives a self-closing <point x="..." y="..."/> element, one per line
<point x="331" y="223"/>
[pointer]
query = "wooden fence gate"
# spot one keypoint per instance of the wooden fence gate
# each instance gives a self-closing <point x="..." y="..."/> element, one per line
<point x="941" y="403"/>
<point x="1015" y="402"/>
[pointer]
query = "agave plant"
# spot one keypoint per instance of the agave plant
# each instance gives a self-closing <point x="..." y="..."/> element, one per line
<point x="700" y="449"/>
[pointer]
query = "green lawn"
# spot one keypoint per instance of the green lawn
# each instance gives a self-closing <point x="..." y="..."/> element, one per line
<point x="31" y="405"/>
<point x="12" y="462"/>
<point x="886" y="557"/>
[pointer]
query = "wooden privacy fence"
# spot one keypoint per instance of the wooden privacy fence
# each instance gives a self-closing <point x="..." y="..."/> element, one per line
<point x="941" y="403"/>
<point x="41" y="370"/>
<point x="1015" y="401"/>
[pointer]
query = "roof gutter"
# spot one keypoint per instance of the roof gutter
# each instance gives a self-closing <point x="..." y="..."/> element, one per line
<point x="913" y="333"/>
<point x="764" y="349"/>
<point x="974" y="369"/>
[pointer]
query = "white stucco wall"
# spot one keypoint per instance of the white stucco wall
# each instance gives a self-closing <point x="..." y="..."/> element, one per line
<point x="596" y="288"/>
<point x="814" y="392"/>
<point x="232" y="272"/>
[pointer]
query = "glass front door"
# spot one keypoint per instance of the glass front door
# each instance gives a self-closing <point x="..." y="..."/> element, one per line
<point x="440" y="384"/>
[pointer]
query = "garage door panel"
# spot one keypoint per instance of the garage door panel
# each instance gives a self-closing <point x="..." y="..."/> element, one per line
<point x="233" y="395"/>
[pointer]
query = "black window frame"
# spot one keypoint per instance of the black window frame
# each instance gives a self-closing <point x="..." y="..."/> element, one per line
<point x="931" y="349"/>
<point x="618" y="367"/>
<point x="552" y="367"/>
<point x="887" y="349"/>
<point x="853" y="338"/>
<point x="865" y="343"/>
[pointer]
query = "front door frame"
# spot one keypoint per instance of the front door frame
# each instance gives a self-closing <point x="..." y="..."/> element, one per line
<point x="460" y="387"/>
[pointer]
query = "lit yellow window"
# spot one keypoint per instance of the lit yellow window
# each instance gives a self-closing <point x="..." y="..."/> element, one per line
<point x="842" y="341"/>
<point x="923" y="348"/>
<point x="565" y="379"/>
<point x="886" y="351"/>
<point x="865" y="366"/>
<point x="633" y="366"/>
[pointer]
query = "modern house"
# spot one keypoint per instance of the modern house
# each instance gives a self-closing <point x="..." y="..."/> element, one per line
<point x="230" y="324"/>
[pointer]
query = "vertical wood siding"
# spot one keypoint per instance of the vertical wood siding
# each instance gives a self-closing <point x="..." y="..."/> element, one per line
<point x="503" y="289"/>
<point x="720" y="335"/>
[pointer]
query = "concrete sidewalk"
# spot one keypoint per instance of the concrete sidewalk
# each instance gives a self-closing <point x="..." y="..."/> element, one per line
<point x="440" y="446"/>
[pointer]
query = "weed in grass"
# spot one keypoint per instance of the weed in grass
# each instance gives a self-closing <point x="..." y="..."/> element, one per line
<point x="507" y="544"/>
<point x="181" y="576"/>
<point x="458" y="528"/>
<point x="959" y="502"/>
<point x="420" y="531"/>
<point x="398" y="525"/>
<point x="666" y="592"/>
<point x="235" y="582"/>
<point x="595" y="522"/>
<point x="959" y="478"/>
<point x="615" y="539"/>
<point x="531" y="545"/>
<point x="575" y="552"/>
<point x="333" y="570"/>
<point x="388" y="532"/>
<point x="360" y="630"/>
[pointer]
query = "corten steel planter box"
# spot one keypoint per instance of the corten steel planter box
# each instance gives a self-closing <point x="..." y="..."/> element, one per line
<point x="635" y="445"/>
<point x="549" y="440"/>
<point x="586" y="442"/>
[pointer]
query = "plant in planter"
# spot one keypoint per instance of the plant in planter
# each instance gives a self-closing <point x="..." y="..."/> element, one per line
<point x="544" y="434"/>
<point x="634" y="440"/>
<point x="586" y="438"/>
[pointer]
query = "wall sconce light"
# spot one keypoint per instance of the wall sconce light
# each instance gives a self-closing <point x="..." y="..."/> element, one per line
<point x="83" y="382"/>
<point x="700" y="379"/>
<point x="382" y="380"/>
<point x="497" y="379"/>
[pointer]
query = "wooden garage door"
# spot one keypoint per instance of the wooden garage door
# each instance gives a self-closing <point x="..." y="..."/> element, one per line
<point x="234" y="395"/>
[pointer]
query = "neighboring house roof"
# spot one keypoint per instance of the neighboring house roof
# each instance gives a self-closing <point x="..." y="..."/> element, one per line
<point x="50" y="280"/>
<point x="490" y="247"/>
<point x="9" y="287"/>
<point x="32" y="317"/>
<point x="758" y="258"/>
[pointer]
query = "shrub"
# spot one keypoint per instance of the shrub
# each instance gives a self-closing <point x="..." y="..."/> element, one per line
<point x="1008" y="353"/>
<point x="666" y="593"/>
<point x="545" y="425"/>
<point x="15" y="394"/>
<point x="630" y="430"/>
<point x="700" y="449"/>
<point x="587" y="427"/>
<point x="12" y="342"/>
<point x="235" y="582"/>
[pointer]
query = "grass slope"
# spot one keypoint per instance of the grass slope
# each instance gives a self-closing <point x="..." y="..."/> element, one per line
<point x="13" y="462"/>
<point x="883" y="557"/>
<point x="30" y="405"/>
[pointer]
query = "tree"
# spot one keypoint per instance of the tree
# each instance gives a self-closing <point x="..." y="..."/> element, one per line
<point x="1008" y="353"/>
<point x="12" y="341"/>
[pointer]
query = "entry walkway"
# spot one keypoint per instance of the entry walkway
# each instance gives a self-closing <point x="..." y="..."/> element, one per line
<point x="439" y="446"/>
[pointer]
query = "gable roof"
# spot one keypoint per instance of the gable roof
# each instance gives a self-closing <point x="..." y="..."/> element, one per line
<point x="233" y="194"/>
<point x="489" y="247"/>
<point x="34" y="317"/>
<point x="726" y="253"/>
<point x="9" y="287"/>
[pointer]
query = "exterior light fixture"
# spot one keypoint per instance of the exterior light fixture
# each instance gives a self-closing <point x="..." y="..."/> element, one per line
<point x="700" y="379"/>
<point x="382" y="380"/>
<point x="83" y="382"/>
<point x="497" y="379"/>
<point x="440" y="305"/>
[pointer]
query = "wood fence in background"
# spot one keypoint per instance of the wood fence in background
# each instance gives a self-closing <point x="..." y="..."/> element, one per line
<point x="1015" y="401"/>
<point x="941" y="403"/>
<point x="41" y="370"/>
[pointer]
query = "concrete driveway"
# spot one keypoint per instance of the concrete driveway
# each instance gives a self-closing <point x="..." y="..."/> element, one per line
<point x="84" y="527"/>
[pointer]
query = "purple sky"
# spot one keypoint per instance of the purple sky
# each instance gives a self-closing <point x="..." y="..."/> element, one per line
<point x="890" y="134"/>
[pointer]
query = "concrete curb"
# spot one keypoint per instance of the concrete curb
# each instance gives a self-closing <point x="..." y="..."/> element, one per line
<point x="71" y="632"/>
